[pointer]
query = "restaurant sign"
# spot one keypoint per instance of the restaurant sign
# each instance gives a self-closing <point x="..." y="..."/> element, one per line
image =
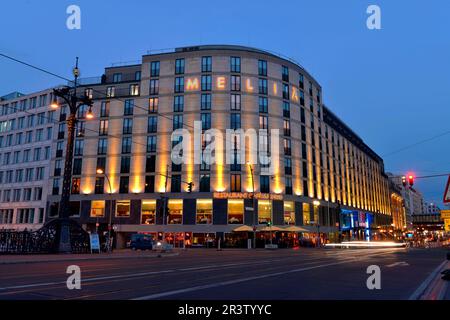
<point x="247" y="195"/>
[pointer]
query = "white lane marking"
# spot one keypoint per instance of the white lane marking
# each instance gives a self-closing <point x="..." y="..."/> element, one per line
<point x="398" y="264"/>
<point x="236" y="281"/>
<point x="421" y="289"/>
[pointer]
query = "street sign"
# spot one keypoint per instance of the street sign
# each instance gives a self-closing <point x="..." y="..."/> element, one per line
<point x="445" y="214"/>
<point x="447" y="192"/>
<point x="447" y="225"/>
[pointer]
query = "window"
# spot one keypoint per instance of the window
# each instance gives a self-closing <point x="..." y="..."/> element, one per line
<point x="179" y="66"/>
<point x="306" y="212"/>
<point x="128" y="107"/>
<point x="206" y="121"/>
<point x="123" y="208"/>
<point x="76" y="185"/>
<point x="287" y="147"/>
<point x="124" y="185"/>
<point x="103" y="128"/>
<point x="148" y="212"/>
<point x="97" y="209"/>
<point x="127" y="126"/>
<point x="126" y="145"/>
<point x="154" y="69"/>
<point x="263" y="122"/>
<point x="264" y="211"/>
<point x="110" y="92"/>
<point x="263" y="104"/>
<point x="137" y="76"/>
<point x="285" y="73"/>
<point x="235" y="121"/>
<point x="289" y="213"/>
<point x="177" y="121"/>
<point x="204" y="211"/>
<point x="101" y="164"/>
<point x="235" y="102"/>
<point x="134" y="90"/>
<point x="205" y="101"/>
<point x="55" y="189"/>
<point x="262" y="86"/>
<point x="153" y="105"/>
<point x="262" y="68"/>
<point x="175" y="211"/>
<point x="235" y="183"/>
<point x="179" y="85"/>
<point x="235" y="83"/>
<point x="175" y="183"/>
<point x="287" y="128"/>
<point x="285" y="91"/>
<point x="178" y="104"/>
<point x="117" y="77"/>
<point x="286" y="109"/>
<point x="149" y="184"/>
<point x="77" y="165"/>
<point x="206" y="64"/>
<point x="99" y="185"/>
<point x="154" y="87"/>
<point x="235" y="211"/>
<point x="206" y="83"/>
<point x="125" y="165"/>
<point x="79" y="146"/>
<point x="205" y="185"/>
<point x="150" y="164"/>
<point x="151" y="144"/>
<point x="301" y="83"/>
<point x="102" y="146"/>
<point x="235" y="64"/>
<point x="287" y="166"/>
<point x="264" y="184"/>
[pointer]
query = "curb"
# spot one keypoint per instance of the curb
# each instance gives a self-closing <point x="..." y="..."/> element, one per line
<point x="433" y="288"/>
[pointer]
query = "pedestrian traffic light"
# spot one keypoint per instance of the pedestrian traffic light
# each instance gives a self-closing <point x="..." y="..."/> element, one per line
<point x="269" y="223"/>
<point x="190" y="185"/>
<point x="404" y="181"/>
<point x="411" y="180"/>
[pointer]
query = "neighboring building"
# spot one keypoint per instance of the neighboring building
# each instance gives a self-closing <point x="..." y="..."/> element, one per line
<point x="26" y="135"/>
<point x="137" y="107"/>
<point x="413" y="199"/>
<point x="431" y="208"/>
<point x="397" y="207"/>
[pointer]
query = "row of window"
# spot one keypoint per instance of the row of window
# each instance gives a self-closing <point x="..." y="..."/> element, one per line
<point x="20" y="195"/>
<point x="22" y="175"/>
<point x="25" y="104"/>
<point x="23" y="216"/>
<point x="24" y="156"/>
<point x="21" y="138"/>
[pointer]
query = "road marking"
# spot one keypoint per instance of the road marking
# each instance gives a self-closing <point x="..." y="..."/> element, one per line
<point x="421" y="289"/>
<point x="236" y="281"/>
<point x="399" y="264"/>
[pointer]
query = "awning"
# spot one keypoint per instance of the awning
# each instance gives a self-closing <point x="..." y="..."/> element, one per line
<point x="295" y="229"/>
<point x="268" y="229"/>
<point x="243" y="229"/>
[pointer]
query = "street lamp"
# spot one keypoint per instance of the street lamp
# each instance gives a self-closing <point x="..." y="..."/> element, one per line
<point x="101" y="172"/>
<point x="74" y="102"/>
<point x="254" y="204"/>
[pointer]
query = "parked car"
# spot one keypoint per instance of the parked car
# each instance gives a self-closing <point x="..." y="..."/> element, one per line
<point x="141" y="242"/>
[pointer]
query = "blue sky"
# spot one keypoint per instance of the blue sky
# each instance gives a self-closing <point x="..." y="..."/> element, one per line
<point x="391" y="85"/>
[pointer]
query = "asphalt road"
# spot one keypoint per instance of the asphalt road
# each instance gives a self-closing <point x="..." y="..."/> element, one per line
<point x="232" y="274"/>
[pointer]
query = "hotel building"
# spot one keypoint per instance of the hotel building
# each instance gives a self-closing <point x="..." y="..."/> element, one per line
<point x="326" y="178"/>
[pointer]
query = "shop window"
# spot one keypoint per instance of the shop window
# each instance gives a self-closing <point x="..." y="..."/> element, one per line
<point x="148" y="212"/>
<point x="97" y="209"/>
<point x="123" y="208"/>
<point x="175" y="211"/>
<point x="204" y="211"/>
<point x="264" y="211"/>
<point x="236" y="211"/>
<point x="289" y="213"/>
<point x="306" y="214"/>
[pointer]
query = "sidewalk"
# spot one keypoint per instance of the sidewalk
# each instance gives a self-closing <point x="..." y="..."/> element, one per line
<point x="434" y="288"/>
<point x="117" y="254"/>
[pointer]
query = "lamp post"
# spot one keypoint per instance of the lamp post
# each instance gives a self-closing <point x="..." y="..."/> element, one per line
<point x="69" y="96"/>
<point x="254" y="209"/>
<point x="100" y="171"/>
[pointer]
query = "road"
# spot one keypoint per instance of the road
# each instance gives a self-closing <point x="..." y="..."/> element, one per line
<point x="229" y="274"/>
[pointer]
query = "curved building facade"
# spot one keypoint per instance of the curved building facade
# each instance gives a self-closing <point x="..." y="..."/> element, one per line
<point x="325" y="177"/>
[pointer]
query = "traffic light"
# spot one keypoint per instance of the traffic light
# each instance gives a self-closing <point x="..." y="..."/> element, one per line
<point x="411" y="180"/>
<point x="190" y="186"/>
<point x="269" y="223"/>
<point x="404" y="181"/>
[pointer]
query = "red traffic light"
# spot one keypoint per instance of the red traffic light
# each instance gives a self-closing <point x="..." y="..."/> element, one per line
<point x="411" y="180"/>
<point x="404" y="181"/>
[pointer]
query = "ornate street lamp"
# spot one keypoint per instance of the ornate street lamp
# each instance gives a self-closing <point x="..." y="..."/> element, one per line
<point x="65" y="227"/>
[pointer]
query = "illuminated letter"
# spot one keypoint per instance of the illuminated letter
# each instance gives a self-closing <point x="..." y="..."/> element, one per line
<point x="192" y="84"/>
<point x="249" y="85"/>
<point x="220" y="82"/>
<point x="294" y="95"/>
<point x="275" y="89"/>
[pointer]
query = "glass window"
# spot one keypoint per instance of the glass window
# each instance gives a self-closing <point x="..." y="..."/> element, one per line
<point x="263" y="105"/>
<point x="179" y="66"/>
<point x="306" y="214"/>
<point x="262" y="68"/>
<point x="235" y="183"/>
<point x="264" y="184"/>
<point x="235" y="102"/>
<point x="175" y="211"/>
<point x="206" y="101"/>
<point x="289" y="213"/>
<point x="206" y="64"/>
<point x="235" y="64"/>
<point x="123" y="208"/>
<point x="153" y="105"/>
<point x="235" y="83"/>
<point x="178" y="104"/>
<point x="148" y="212"/>
<point x="98" y="208"/>
<point x="264" y="211"/>
<point x="179" y="84"/>
<point x="154" y="69"/>
<point x="204" y="211"/>
<point x="206" y="83"/>
<point x="235" y="211"/>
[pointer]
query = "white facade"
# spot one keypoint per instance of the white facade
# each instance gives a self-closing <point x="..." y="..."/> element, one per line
<point x="26" y="134"/>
